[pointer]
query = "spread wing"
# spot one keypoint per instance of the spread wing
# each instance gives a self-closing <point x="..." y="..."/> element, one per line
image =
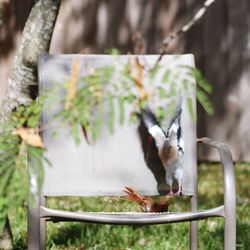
<point x="174" y="132"/>
<point x="153" y="127"/>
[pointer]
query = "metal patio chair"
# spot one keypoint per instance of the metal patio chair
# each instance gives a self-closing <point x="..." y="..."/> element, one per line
<point x="104" y="168"/>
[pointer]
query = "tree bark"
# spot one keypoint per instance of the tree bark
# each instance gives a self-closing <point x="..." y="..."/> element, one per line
<point x="6" y="236"/>
<point x="35" y="41"/>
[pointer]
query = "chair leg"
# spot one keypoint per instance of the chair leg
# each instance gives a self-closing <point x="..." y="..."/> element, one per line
<point x="43" y="226"/>
<point x="194" y="235"/>
<point x="194" y="226"/>
<point x="230" y="206"/>
<point x="230" y="233"/>
<point x="36" y="226"/>
<point x="33" y="227"/>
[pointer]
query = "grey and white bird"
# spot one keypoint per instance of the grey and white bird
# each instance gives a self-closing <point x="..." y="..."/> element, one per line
<point x="169" y="144"/>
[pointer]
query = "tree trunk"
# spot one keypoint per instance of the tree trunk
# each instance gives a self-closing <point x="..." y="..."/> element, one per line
<point x="36" y="39"/>
<point x="6" y="237"/>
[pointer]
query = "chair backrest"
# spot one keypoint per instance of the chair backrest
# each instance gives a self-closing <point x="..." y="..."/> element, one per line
<point x="119" y="159"/>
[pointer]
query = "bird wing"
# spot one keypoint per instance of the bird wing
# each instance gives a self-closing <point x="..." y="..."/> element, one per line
<point x="147" y="204"/>
<point x="135" y="196"/>
<point x="153" y="126"/>
<point x="174" y="133"/>
<point x="158" y="135"/>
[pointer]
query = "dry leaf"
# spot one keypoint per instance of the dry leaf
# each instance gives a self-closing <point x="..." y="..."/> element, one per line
<point x="137" y="74"/>
<point x="136" y="71"/>
<point x="30" y="136"/>
<point x="72" y="84"/>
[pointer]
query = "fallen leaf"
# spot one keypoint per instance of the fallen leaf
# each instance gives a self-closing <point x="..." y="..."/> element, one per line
<point x="30" y="136"/>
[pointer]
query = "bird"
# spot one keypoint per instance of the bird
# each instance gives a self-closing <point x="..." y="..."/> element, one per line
<point x="169" y="144"/>
<point x="147" y="204"/>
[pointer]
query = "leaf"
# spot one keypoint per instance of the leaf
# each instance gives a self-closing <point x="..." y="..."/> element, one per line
<point x="36" y="171"/>
<point x="137" y="73"/>
<point x="160" y="113"/>
<point x="171" y="107"/>
<point x="6" y="178"/>
<point x="113" y="51"/>
<point x="130" y="98"/>
<point x="132" y="118"/>
<point x="30" y="136"/>
<point x="127" y="80"/>
<point x="3" y="211"/>
<point x="166" y="76"/>
<point x="173" y="91"/>
<point x="162" y="93"/>
<point x="96" y="91"/>
<point x="204" y="84"/>
<point x="74" y="129"/>
<point x="204" y="101"/>
<point x="153" y="72"/>
<point x="142" y="104"/>
<point x="121" y="110"/>
<point x="106" y="74"/>
<point x="111" y="116"/>
<point x="185" y="85"/>
<point x="201" y="81"/>
<point x="33" y="121"/>
<point x="97" y="125"/>
<point x="72" y="83"/>
<point x="190" y="106"/>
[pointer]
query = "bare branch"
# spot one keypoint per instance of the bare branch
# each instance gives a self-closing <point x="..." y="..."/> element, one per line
<point x="198" y="15"/>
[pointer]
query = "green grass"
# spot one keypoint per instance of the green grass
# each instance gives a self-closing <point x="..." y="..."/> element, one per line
<point x="69" y="235"/>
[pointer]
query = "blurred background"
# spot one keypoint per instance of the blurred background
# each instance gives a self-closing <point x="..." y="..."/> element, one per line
<point x="220" y="42"/>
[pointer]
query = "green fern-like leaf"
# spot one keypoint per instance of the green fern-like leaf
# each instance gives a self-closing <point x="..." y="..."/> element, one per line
<point x="204" y="101"/>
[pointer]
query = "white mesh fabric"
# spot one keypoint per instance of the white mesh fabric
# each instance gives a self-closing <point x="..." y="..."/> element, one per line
<point x="114" y="161"/>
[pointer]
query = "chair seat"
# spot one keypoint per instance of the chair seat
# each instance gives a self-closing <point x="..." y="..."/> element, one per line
<point x="128" y="218"/>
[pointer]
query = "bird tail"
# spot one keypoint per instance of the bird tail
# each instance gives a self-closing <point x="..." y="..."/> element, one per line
<point x="134" y="196"/>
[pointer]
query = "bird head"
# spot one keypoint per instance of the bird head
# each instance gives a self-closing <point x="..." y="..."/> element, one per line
<point x="166" y="148"/>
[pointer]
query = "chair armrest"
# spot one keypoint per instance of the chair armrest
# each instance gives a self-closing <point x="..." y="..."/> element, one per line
<point x="228" y="171"/>
<point x="229" y="191"/>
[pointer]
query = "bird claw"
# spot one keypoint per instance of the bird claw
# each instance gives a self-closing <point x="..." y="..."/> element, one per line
<point x="171" y="193"/>
<point x="178" y="193"/>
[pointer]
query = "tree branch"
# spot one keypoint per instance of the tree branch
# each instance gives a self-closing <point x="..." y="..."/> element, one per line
<point x="36" y="39"/>
<point x="198" y="15"/>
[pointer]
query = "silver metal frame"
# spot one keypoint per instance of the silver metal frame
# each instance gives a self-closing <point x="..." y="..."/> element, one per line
<point x="229" y="192"/>
<point x="39" y="214"/>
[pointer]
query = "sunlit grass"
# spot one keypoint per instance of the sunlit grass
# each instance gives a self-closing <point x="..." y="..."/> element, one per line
<point x="68" y="235"/>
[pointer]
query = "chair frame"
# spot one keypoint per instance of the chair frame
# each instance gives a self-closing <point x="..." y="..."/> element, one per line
<point x="38" y="214"/>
